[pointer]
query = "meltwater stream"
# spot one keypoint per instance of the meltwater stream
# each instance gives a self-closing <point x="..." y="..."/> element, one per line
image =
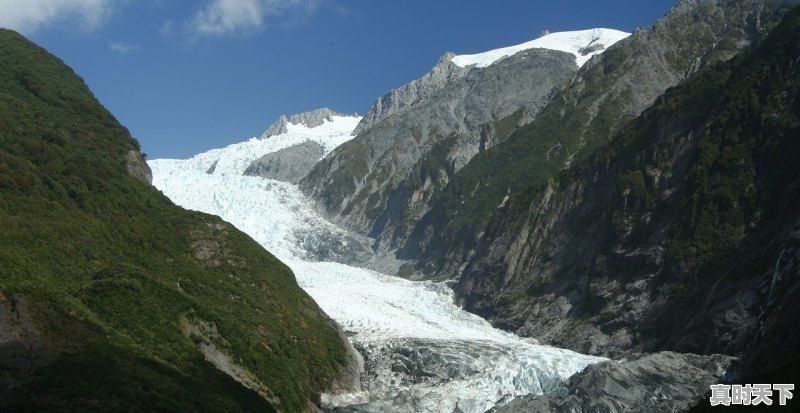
<point x="422" y="352"/>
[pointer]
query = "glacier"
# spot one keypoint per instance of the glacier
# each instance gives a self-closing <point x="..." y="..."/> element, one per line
<point x="422" y="352"/>
<point x="582" y="43"/>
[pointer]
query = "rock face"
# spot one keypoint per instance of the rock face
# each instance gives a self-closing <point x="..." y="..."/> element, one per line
<point x="23" y="347"/>
<point x="415" y="91"/>
<point x="415" y="137"/>
<point x="660" y="382"/>
<point x="680" y="234"/>
<point x="310" y="119"/>
<point x="288" y="165"/>
<point x="650" y="205"/>
<point x="137" y="167"/>
<point x="598" y="101"/>
<point x="777" y="332"/>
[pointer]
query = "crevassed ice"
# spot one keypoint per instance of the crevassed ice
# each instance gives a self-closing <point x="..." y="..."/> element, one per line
<point x="570" y="42"/>
<point x="425" y="353"/>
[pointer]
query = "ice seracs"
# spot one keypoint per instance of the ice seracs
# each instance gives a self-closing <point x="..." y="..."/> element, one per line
<point x="421" y="349"/>
<point x="582" y="43"/>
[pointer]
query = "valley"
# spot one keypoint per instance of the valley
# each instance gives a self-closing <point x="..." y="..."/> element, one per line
<point x="589" y="221"/>
<point x="422" y="352"/>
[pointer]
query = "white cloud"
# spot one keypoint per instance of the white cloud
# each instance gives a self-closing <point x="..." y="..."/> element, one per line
<point x="220" y="17"/>
<point x="28" y="16"/>
<point x="123" y="48"/>
<point x="167" y="28"/>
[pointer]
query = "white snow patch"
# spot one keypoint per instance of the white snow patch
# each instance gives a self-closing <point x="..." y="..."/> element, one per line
<point x="234" y="159"/>
<point x="571" y="42"/>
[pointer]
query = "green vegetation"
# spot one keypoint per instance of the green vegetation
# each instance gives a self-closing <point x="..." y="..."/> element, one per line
<point x="588" y="113"/>
<point x="744" y="115"/>
<point x="426" y="177"/>
<point x="351" y="166"/>
<point x="669" y="233"/>
<point x="724" y="145"/>
<point x="529" y="158"/>
<point x="115" y="275"/>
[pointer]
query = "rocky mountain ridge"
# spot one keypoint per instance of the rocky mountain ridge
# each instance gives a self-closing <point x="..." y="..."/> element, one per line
<point x="364" y="181"/>
<point x="639" y="209"/>
<point x="641" y="247"/>
<point x="288" y="165"/>
<point x="681" y="234"/>
<point x="310" y="119"/>
<point x="599" y="100"/>
<point x="401" y="180"/>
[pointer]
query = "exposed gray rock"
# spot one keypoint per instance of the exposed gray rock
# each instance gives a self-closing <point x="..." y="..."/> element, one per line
<point x="137" y="167"/>
<point x="414" y="140"/>
<point x="289" y="164"/>
<point x="417" y="136"/>
<point x="591" y="49"/>
<point x="601" y="260"/>
<point x="412" y="93"/>
<point x="609" y="91"/>
<point x="310" y="119"/>
<point x="660" y="382"/>
<point x="350" y="379"/>
<point x="212" y="168"/>
<point x="778" y="334"/>
<point x="23" y="348"/>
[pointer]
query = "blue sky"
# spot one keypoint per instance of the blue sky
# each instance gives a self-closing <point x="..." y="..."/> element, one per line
<point x="187" y="76"/>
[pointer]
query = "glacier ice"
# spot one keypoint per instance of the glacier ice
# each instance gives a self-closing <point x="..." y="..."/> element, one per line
<point x="582" y="43"/>
<point x="422" y="352"/>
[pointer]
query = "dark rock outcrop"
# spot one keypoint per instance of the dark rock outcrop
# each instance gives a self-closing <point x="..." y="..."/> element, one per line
<point x="23" y="347"/>
<point x="413" y="92"/>
<point x="598" y="101"/>
<point x="289" y="164"/>
<point x="678" y="235"/>
<point x="659" y="382"/>
<point x="414" y="138"/>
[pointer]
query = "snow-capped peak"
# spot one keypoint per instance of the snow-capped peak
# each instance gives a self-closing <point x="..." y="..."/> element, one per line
<point x="234" y="159"/>
<point x="310" y="119"/>
<point x="583" y="44"/>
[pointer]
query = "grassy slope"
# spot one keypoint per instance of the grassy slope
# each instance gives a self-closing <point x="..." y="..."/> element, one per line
<point x="112" y="270"/>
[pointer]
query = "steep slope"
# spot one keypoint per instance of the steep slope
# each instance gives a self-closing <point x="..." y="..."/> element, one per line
<point x="422" y="353"/>
<point x="310" y="119"/>
<point x="289" y="164"/>
<point x="683" y="233"/>
<point x="659" y="382"/>
<point x="583" y="44"/>
<point x="416" y="137"/>
<point x="114" y="299"/>
<point x="600" y="99"/>
<point x="303" y="139"/>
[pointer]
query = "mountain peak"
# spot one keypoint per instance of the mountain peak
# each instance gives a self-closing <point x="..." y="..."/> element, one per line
<point x="583" y="44"/>
<point x="310" y="119"/>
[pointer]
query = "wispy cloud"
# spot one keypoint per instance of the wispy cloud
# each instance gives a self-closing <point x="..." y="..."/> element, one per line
<point x="220" y="17"/>
<point x="123" y="48"/>
<point x="28" y="16"/>
<point x="167" y="28"/>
